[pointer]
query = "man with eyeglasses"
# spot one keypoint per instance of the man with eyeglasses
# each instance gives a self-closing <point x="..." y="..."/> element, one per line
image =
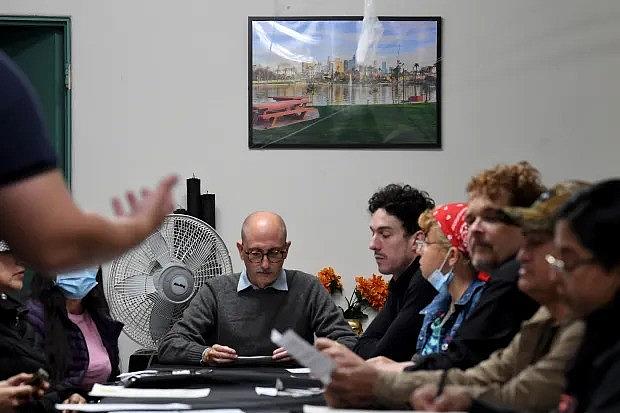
<point x="233" y="315"/>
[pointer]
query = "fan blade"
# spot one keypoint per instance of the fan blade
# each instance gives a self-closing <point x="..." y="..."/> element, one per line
<point x="194" y="260"/>
<point x="136" y="285"/>
<point x="163" y="316"/>
<point x="159" y="248"/>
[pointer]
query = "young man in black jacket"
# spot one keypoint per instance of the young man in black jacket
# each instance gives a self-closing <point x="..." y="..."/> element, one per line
<point x="394" y="213"/>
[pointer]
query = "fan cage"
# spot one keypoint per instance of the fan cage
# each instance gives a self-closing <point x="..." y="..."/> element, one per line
<point x="129" y="286"/>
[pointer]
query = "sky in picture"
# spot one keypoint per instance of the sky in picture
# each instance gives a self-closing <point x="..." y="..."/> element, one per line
<point x="292" y="42"/>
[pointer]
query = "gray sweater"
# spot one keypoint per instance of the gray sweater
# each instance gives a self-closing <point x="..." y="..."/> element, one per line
<point x="243" y="320"/>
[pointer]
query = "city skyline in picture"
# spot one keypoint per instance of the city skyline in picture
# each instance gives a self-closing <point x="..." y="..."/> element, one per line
<point x="293" y="42"/>
<point x="340" y="82"/>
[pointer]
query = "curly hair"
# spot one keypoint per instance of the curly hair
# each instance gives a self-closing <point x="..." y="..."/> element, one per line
<point x="520" y="180"/>
<point x="402" y="201"/>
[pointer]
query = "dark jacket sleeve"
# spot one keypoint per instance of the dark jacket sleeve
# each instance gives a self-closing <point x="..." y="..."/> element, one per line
<point x="393" y="333"/>
<point x="491" y="326"/>
<point x="606" y="397"/>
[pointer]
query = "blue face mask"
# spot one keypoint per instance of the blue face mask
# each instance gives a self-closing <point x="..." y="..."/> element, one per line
<point x="77" y="284"/>
<point x="438" y="278"/>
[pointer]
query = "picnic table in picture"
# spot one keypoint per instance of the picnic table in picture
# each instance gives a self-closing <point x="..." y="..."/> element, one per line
<point x="282" y="111"/>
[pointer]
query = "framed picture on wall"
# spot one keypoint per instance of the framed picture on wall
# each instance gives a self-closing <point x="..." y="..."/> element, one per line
<point x="337" y="82"/>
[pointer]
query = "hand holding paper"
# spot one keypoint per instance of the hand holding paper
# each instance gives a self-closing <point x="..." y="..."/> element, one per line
<point x="320" y="365"/>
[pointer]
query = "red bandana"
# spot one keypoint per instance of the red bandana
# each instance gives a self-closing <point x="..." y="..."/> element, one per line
<point x="451" y="220"/>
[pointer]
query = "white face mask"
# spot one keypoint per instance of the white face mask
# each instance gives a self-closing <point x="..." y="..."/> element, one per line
<point x="438" y="278"/>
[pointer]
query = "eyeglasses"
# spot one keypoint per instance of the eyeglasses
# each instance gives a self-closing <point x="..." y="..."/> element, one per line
<point x="561" y="266"/>
<point x="274" y="255"/>
<point x="421" y="244"/>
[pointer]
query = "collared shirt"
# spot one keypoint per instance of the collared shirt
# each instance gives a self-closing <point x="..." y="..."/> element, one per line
<point x="491" y="325"/>
<point x="434" y="335"/>
<point x="278" y="284"/>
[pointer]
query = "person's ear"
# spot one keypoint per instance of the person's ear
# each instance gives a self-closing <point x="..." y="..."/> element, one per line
<point x="413" y="246"/>
<point x="240" y="249"/>
<point x="453" y="256"/>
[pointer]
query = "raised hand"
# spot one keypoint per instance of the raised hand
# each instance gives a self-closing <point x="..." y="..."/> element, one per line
<point x="151" y="207"/>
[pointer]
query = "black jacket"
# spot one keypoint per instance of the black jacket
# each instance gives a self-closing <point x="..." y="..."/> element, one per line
<point x="491" y="325"/>
<point x="394" y="331"/>
<point x="18" y="355"/>
<point x="593" y="381"/>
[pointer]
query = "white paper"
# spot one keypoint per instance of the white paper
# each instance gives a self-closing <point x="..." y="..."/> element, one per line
<point x="101" y="390"/>
<point x="273" y="392"/>
<point x="323" y="409"/>
<point x="136" y="373"/>
<point x="178" y="411"/>
<point x="266" y="391"/>
<point x="117" y="407"/>
<point x="301" y="370"/>
<point x="257" y="358"/>
<point x="319" y="364"/>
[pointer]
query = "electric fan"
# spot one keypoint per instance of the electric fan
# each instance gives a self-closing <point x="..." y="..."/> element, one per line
<point x="149" y="287"/>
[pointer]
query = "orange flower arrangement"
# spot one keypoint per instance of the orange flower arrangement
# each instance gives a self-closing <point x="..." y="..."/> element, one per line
<point x="330" y="280"/>
<point x="371" y="292"/>
<point x="374" y="290"/>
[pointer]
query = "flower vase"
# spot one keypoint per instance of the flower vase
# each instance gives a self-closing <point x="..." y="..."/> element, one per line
<point x="356" y="325"/>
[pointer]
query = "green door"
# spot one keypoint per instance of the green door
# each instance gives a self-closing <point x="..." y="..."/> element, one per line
<point x="40" y="46"/>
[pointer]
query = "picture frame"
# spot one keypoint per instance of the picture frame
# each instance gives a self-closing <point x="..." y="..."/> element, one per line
<point x="307" y="88"/>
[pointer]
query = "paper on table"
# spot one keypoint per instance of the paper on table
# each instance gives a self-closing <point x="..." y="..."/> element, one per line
<point x="101" y="390"/>
<point x="266" y="391"/>
<point x="301" y="370"/>
<point x="117" y="407"/>
<point x="319" y="364"/>
<point x="136" y="373"/>
<point x="323" y="409"/>
<point x="193" y="411"/>
<point x="272" y="391"/>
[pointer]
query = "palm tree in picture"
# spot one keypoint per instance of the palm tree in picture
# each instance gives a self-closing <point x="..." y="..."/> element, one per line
<point x="416" y="68"/>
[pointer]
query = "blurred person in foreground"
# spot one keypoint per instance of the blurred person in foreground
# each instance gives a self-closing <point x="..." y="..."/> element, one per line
<point x="38" y="218"/>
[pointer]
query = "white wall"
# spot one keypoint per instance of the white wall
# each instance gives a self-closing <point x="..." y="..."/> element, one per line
<point x="521" y="80"/>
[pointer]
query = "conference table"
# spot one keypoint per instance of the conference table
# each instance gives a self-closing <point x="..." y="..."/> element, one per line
<point x="231" y="387"/>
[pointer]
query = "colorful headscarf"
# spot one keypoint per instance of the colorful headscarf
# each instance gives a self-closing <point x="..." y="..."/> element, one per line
<point x="451" y="220"/>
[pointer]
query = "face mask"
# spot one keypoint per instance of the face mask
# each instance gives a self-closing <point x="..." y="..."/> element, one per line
<point x="438" y="278"/>
<point x="76" y="285"/>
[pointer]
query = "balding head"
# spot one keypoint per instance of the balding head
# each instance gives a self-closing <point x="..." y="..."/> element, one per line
<point x="263" y="223"/>
<point x="263" y="234"/>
